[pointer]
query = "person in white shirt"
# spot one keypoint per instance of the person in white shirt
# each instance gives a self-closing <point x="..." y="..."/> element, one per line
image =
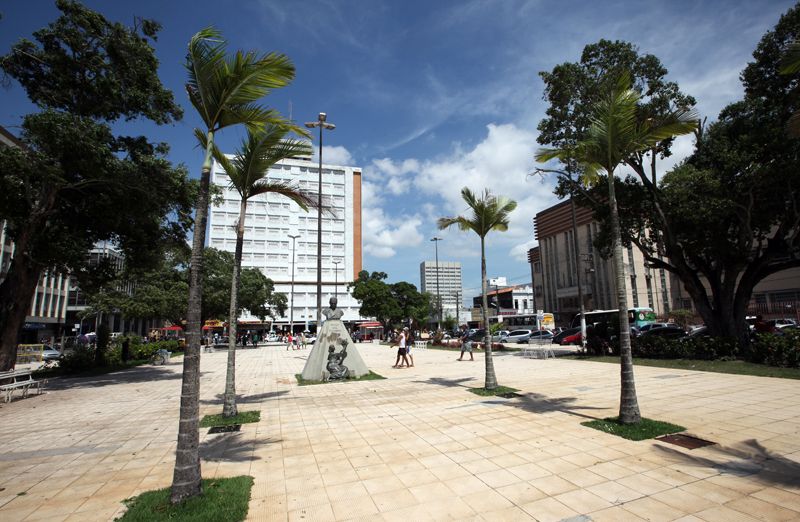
<point x="401" y="350"/>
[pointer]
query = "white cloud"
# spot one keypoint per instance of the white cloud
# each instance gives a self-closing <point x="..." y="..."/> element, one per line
<point x="383" y="235"/>
<point x="334" y="155"/>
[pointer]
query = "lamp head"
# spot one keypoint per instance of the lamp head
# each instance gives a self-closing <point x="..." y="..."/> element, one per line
<point x="322" y="117"/>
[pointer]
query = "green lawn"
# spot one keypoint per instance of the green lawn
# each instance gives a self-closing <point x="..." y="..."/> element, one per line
<point x="736" y="367"/>
<point x="500" y="390"/>
<point x="243" y="417"/>
<point x="646" y="429"/>
<point x="222" y="499"/>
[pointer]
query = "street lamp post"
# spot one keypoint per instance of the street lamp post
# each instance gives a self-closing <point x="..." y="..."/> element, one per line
<point x="438" y="294"/>
<point x="321" y="123"/>
<point x="291" y="292"/>
<point x="336" y="279"/>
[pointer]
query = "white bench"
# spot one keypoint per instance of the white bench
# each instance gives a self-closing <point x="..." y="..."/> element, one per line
<point x="420" y="345"/>
<point x="538" y="349"/>
<point x="18" y="380"/>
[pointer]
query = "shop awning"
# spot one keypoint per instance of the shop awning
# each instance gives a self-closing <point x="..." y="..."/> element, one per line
<point x="373" y="324"/>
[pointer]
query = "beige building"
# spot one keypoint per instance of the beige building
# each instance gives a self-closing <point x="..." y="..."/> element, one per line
<point x="556" y="288"/>
<point x="554" y="270"/>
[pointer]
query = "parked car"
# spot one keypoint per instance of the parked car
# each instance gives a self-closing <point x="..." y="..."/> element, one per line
<point x="518" y="336"/>
<point x="573" y="338"/>
<point x="781" y="323"/>
<point x="500" y="336"/>
<point x="559" y="337"/>
<point x="650" y="326"/>
<point x="477" y="335"/>
<point x="50" y="354"/>
<point x="700" y="331"/>
<point x="668" y="332"/>
<point x="541" y="336"/>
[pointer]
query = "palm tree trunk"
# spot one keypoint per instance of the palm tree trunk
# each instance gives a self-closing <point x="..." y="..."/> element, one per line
<point x="186" y="478"/>
<point x="628" y="404"/>
<point x="229" y="405"/>
<point x="491" y="378"/>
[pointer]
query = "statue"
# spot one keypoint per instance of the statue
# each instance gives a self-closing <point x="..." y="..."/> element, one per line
<point x="333" y="312"/>
<point x="336" y="369"/>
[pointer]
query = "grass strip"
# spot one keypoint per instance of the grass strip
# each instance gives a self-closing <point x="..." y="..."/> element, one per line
<point x="645" y="429"/>
<point x="732" y="367"/>
<point x="243" y="417"/>
<point x="222" y="499"/>
<point x="371" y="376"/>
<point x="500" y="390"/>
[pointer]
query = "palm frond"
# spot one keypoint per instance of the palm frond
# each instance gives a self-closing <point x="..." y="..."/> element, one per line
<point x="204" y="58"/>
<point x="790" y="63"/>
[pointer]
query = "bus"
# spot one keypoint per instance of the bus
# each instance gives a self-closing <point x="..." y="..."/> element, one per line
<point x="524" y="321"/>
<point x="637" y="316"/>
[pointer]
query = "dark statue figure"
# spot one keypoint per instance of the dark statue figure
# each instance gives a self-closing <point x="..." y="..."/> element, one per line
<point x="336" y="368"/>
<point x="332" y="312"/>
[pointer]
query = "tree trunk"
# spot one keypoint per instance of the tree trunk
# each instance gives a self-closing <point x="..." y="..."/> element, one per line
<point x="491" y="378"/>
<point x="628" y="404"/>
<point x="229" y="404"/>
<point x="186" y="478"/>
<point x="16" y="294"/>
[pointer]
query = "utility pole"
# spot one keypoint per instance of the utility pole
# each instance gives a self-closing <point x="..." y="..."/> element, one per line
<point x="438" y="295"/>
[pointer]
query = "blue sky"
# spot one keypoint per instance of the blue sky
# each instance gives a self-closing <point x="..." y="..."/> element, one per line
<point x="429" y="97"/>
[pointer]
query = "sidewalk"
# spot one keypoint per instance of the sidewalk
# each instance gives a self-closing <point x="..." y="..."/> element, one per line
<point x="416" y="446"/>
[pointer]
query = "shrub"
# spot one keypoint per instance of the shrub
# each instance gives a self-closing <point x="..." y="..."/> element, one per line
<point x="77" y="361"/>
<point x="782" y="350"/>
<point x="704" y="348"/>
<point x="145" y="351"/>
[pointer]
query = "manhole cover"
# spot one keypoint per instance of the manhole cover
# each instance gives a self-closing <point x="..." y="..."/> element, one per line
<point x="685" y="441"/>
<point x="509" y="395"/>
<point x="225" y="429"/>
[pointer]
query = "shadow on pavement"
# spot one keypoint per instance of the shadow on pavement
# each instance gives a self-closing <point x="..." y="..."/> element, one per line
<point x="246" y="399"/>
<point x="538" y="403"/>
<point x="232" y="447"/>
<point x="144" y="373"/>
<point x="748" y="458"/>
<point x="449" y="383"/>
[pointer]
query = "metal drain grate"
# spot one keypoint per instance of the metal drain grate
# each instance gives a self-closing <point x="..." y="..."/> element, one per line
<point x="509" y="395"/>
<point x="225" y="429"/>
<point x="685" y="441"/>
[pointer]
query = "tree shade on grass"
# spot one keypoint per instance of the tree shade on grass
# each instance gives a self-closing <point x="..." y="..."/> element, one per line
<point x="242" y="417"/>
<point x="500" y="390"/>
<point x="371" y="376"/>
<point x="222" y="499"/>
<point x="644" y="429"/>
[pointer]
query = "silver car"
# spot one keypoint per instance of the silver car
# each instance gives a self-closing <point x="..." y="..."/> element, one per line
<point x="518" y="336"/>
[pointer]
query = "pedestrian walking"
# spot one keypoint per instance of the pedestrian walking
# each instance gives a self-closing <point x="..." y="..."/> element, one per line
<point x="401" y="350"/>
<point x="289" y="342"/>
<point x="303" y="340"/>
<point x="409" y="345"/>
<point x="466" y="346"/>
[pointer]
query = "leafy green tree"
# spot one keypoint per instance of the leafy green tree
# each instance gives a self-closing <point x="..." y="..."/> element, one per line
<point x="412" y="304"/>
<point x="376" y="297"/>
<point x="616" y="134"/>
<point x="224" y="91"/>
<point x="489" y="213"/>
<point x="75" y="182"/>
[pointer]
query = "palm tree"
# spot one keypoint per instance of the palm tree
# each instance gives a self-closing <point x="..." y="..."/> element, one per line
<point x="488" y="213"/>
<point x="224" y="91"/>
<point x="247" y="170"/>
<point x="614" y="135"/>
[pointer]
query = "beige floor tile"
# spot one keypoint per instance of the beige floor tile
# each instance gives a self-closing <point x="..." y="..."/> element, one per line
<point x="521" y="493"/>
<point x="552" y="485"/>
<point x="512" y="514"/>
<point x="486" y="502"/>
<point x="583" y="501"/>
<point x="354" y="507"/>
<point x="614" y="492"/>
<point x="614" y="514"/>
<point x="319" y="513"/>
<point x="779" y="497"/>
<point x="434" y="492"/>
<point x="762" y="510"/>
<point x="724" y="514"/>
<point x="393" y="500"/>
<point x="683" y="500"/>
<point x="548" y="510"/>
<point x="499" y="478"/>
<point x="652" y="510"/>
<point x="529" y="471"/>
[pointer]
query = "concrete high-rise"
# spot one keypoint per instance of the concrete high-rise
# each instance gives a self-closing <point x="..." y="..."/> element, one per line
<point x="450" y="288"/>
<point x="271" y="219"/>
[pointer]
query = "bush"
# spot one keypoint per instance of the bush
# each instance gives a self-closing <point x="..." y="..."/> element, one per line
<point x="703" y="348"/>
<point x="77" y="361"/>
<point x="782" y="350"/>
<point x="145" y="351"/>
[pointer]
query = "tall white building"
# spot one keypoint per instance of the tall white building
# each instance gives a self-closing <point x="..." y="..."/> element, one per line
<point x="449" y="289"/>
<point x="271" y="219"/>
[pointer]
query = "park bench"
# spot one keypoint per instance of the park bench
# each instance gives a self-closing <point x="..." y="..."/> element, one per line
<point x="420" y="345"/>
<point x="538" y="348"/>
<point x="18" y="380"/>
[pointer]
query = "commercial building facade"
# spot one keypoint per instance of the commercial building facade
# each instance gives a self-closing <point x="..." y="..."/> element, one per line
<point x="449" y="285"/>
<point x="271" y="220"/>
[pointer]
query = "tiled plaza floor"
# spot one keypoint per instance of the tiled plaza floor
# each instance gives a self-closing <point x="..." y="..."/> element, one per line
<point x="416" y="446"/>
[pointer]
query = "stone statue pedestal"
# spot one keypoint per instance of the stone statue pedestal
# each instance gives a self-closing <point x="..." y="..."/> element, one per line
<point x="333" y="333"/>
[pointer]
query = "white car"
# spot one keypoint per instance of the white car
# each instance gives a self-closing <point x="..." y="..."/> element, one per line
<point x="518" y="336"/>
<point x="501" y="336"/>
